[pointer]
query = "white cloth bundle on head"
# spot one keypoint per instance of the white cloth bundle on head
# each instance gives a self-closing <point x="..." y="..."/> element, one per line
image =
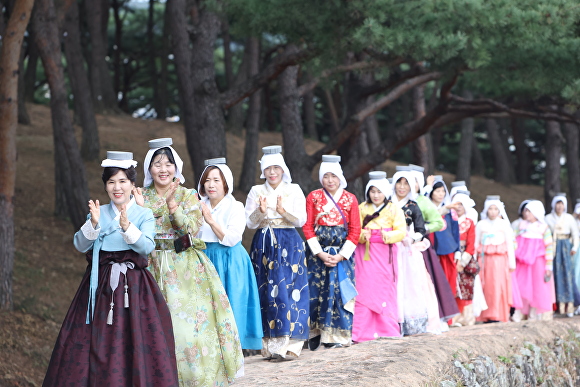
<point x="418" y="172"/>
<point x="332" y="167"/>
<point x="494" y="202"/>
<point x="465" y="200"/>
<point x="270" y="159"/>
<point x="537" y="209"/>
<point x="119" y="160"/>
<point x="381" y="183"/>
<point x="155" y="145"/>
<point x="454" y="190"/>
<point x="410" y="177"/>
<point x="559" y="198"/>
<point x="577" y="208"/>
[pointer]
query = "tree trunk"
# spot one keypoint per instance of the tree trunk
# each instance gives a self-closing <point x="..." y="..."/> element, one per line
<point x="71" y="188"/>
<point x="572" y="161"/>
<point x="163" y="95"/>
<point x="553" y="149"/>
<point x="500" y="158"/>
<point x="235" y="119"/>
<point x="422" y="155"/>
<point x="269" y="108"/>
<point x="465" y="147"/>
<point x="9" y="69"/>
<point x="31" y="66"/>
<point x="310" y="113"/>
<point x="23" y="117"/>
<point x="522" y="159"/>
<point x="292" y="130"/>
<point x="478" y="165"/>
<point x="117" y="65"/>
<point x="104" y="97"/>
<point x="505" y="126"/>
<point x="80" y="85"/>
<point x="152" y="56"/>
<point x="248" y="176"/>
<point x="228" y="62"/>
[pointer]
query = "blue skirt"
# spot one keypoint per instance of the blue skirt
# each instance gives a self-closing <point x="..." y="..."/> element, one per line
<point x="280" y="267"/>
<point x="327" y="312"/>
<point x="563" y="271"/>
<point x="235" y="270"/>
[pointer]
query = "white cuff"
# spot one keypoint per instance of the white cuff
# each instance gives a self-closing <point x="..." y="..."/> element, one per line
<point x="132" y="235"/>
<point x="347" y="249"/>
<point x="89" y="232"/>
<point x="314" y="246"/>
<point x="457" y="256"/>
<point x="417" y="237"/>
<point x="465" y="258"/>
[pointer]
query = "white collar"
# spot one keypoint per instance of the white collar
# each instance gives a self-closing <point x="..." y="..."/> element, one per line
<point x="117" y="212"/>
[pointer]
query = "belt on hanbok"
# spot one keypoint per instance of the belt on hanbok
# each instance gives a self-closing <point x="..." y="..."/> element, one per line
<point x="562" y="236"/>
<point x="116" y="270"/>
<point x="269" y="229"/>
<point x="164" y="255"/>
<point x="378" y="238"/>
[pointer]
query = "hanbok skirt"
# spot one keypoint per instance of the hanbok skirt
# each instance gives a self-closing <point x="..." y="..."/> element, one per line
<point x="330" y="316"/>
<point x="576" y="279"/>
<point x="235" y="269"/>
<point x="417" y="299"/>
<point x="375" y="310"/>
<point x="445" y="297"/>
<point x="496" y="280"/>
<point x="279" y="263"/>
<point x="563" y="271"/>
<point x="530" y="269"/>
<point x="137" y="349"/>
<point x="207" y="344"/>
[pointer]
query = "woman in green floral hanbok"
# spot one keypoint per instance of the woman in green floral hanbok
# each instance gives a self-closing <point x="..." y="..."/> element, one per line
<point x="207" y="343"/>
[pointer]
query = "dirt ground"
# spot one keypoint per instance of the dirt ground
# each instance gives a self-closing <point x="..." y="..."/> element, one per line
<point x="47" y="268"/>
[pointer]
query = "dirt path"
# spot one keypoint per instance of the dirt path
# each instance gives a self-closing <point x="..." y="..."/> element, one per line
<point x="412" y="361"/>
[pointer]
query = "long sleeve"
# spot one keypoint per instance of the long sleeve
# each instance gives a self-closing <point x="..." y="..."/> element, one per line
<point x="253" y="214"/>
<point x="85" y="237"/>
<point x="234" y="230"/>
<point x="509" y="238"/>
<point x="296" y="214"/>
<point x="308" y="227"/>
<point x="145" y="244"/>
<point x="574" y="233"/>
<point x="399" y="226"/>
<point x="418" y="221"/>
<point x="432" y="218"/>
<point x="470" y="239"/>
<point x="353" y="218"/>
<point x="188" y="216"/>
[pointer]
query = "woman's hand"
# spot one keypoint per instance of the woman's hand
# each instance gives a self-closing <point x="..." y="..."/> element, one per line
<point x="327" y="259"/>
<point x="206" y="214"/>
<point x="459" y="267"/>
<point x="263" y="205"/>
<point x="453" y="205"/>
<point x="366" y="234"/>
<point x="430" y="180"/>
<point x="279" y="208"/>
<point x="138" y="195"/>
<point x="170" y="196"/>
<point x="95" y="210"/>
<point x="123" y="219"/>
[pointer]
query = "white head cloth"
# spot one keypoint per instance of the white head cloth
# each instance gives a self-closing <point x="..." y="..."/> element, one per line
<point x="522" y="205"/>
<point x="537" y="209"/>
<point x="577" y="208"/>
<point x="559" y="198"/>
<point x="465" y="200"/>
<point x="219" y="163"/>
<point x="494" y="202"/>
<point x="331" y="163"/>
<point x="447" y="198"/>
<point x="154" y="145"/>
<point x="119" y="160"/>
<point x="457" y="187"/>
<point x="273" y="156"/>
<point x="418" y="172"/>
<point x="410" y="177"/>
<point x="379" y="180"/>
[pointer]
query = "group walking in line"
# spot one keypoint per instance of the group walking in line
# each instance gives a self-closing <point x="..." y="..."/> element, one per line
<point x="170" y="296"/>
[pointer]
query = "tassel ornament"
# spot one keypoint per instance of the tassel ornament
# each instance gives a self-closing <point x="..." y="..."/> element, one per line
<point x="126" y="296"/>
<point x="110" y="316"/>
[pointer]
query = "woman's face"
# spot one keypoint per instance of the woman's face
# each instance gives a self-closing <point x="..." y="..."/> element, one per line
<point x="119" y="188"/>
<point x="274" y="174"/>
<point x="559" y="208"/>
<point x="402" y="188"/>
<point x="492" y="212"/>
<point x="162" y="171"/>
<point x="330" y="182"/>
<point x="529" y="216"/>
<point x="214" y="185"/>
<point x="460" y="209"/>
<point x="376" y="196"/>
<point x="438" y="195"/>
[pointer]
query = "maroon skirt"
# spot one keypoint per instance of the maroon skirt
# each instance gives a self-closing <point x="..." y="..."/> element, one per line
<point x="137" y="349"/>
<point x="445" y="297"/>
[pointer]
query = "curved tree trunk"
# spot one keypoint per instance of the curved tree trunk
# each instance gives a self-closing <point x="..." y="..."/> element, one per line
<point x="553" y="151"/>
<point x="31" y="66"/>
<point x="422" y="147"/>
<point x="9" y="69"/>
<point x="79" y="80"/>
<point x="248" y="176"/>
<point x="465" y="147"/>
<point x="71" y="188"/>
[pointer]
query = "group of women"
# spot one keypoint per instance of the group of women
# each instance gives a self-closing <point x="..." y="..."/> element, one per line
<point x="171" y="297"/>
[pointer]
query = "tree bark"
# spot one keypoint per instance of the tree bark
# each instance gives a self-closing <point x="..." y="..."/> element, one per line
<point x="310" y="113"/>
<point x="292" y="129"/>
<point x="31" y="66"/>
<point x="572" y="161"/>
<point x="248" y="176"/>
<point x="235" y="119"/>
<point x="501" y="162"/>
<point x="553" y="152"/>
<point x="522" y="159"/>
<point x="23" y="117"/>
<point x="70" y="182"/>
<point x="478" y="167"/>
<point x="465" y="147"/>
<point x="162" y="92"/>
<point x="151" y="58"/>
<point x="80" y="85"/>
<point x="9" y="70"/>
<point x="228" y="61"/>
<point x="422" y="154"/>
<point x="104" y="97"/>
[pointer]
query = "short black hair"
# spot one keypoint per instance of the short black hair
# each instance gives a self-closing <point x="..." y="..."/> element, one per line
<point x="108" y="172"/>
<point x="435" y="186"/>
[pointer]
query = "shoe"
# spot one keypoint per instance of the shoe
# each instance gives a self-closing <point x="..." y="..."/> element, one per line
<point x="276" y="358"/>
<point x="333" y="345"/>
<point x="570" y="314"/>
<point x="314" y="343"/>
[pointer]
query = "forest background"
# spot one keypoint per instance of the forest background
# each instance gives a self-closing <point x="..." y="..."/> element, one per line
<point x="471" y="87"/>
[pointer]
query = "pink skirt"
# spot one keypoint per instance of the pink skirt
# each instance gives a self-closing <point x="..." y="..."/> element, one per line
<point x="375" y="311"/>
